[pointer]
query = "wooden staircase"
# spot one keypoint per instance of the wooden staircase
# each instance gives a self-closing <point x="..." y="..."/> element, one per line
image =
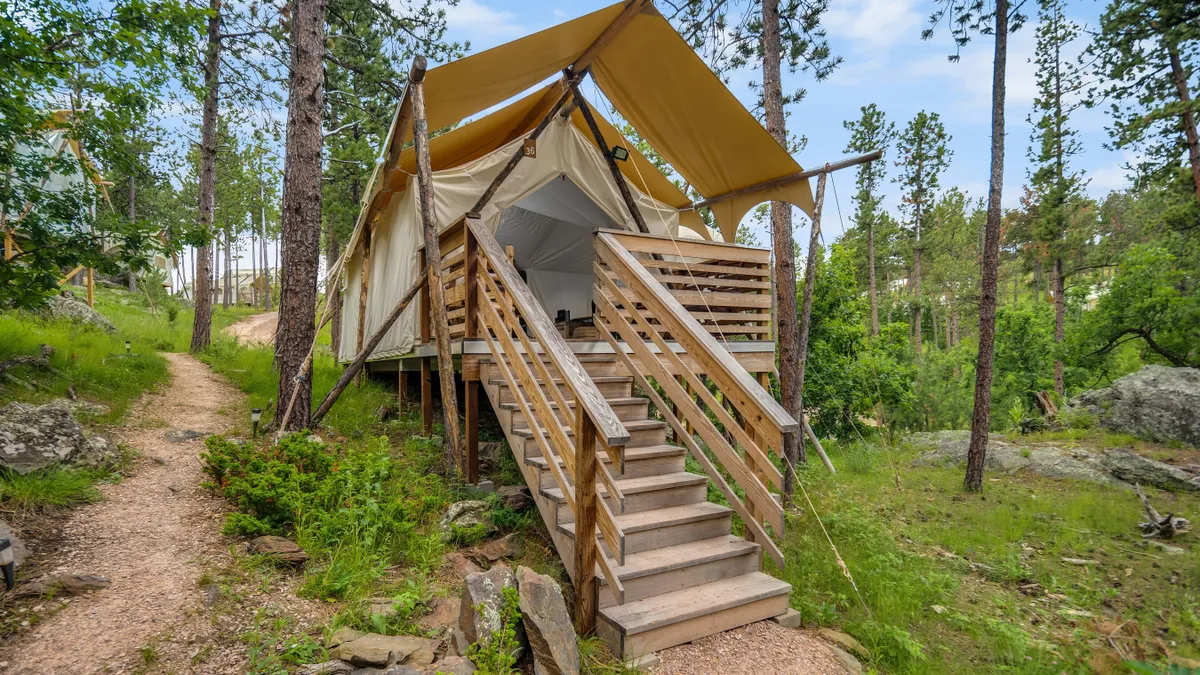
<point x="684" y="576"/>
<point x="657" y="564"/>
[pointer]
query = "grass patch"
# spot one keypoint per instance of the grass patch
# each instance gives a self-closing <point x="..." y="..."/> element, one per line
<point x="48" y="489"/>
<point x="959" y="583"/>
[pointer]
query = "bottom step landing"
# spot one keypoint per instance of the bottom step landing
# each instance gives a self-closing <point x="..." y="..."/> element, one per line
<point x="643" y="626"/>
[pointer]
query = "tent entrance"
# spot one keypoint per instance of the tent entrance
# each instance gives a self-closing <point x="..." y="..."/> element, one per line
<point x="550" y="231"/>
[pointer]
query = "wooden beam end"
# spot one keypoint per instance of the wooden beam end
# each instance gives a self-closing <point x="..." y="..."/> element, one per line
<point x="417" y="74"/>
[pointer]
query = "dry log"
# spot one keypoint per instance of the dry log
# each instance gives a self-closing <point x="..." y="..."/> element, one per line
<point x="1157" y="525"/>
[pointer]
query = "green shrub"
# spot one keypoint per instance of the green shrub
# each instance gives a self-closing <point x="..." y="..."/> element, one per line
<point x="496" y="655"/>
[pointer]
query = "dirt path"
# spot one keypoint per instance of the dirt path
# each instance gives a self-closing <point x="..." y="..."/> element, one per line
<point x="259" y="328"/>
<point x="150" y="536"/>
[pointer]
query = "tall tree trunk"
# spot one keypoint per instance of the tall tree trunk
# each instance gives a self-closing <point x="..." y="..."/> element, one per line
<point x="202" y="320"/>
<point x="788" y="333"/>
<point x="263" y="221"/>
<point x="871" y="277"/>
<point x="301" y="207"/>
<point x="810" y="278"/>
<point x="1060" y="314"/>
<point x="226" y="297"/>
<point x="1189" y="117"/>
<point x="332" y="253"/>
<point x="973" y="480"/>
<point x="253" y="270"/>
<point x="1037" y="282"/>
<point x="132" y="218"/>
<point x="917" y="289"/>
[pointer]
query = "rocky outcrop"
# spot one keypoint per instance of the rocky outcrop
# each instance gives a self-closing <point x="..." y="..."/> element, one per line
<point x="547" y="624"/>
<point x="1156" y="403"/>
<point x="481" y="614"/>
<point x="1106" y="467"/>
<point x="465" y="514"/>
<point x="35" y="437"/>
<point x="69" y="307"/>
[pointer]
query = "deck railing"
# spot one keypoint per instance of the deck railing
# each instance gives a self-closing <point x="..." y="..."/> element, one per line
<point x="646" y="295"/>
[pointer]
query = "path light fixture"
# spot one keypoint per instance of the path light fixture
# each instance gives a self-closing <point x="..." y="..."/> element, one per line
<point x="619" y="153"/>
<point x="8" y="563"/>
<point x="128" y="346"/>
<point x="255" y="416"/>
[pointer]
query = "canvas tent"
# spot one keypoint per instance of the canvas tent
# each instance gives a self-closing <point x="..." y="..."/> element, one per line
<point x="550" y="204"/>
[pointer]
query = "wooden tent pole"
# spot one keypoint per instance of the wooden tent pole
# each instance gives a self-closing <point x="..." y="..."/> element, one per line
<point x="618" y="177"/>
<point x="786" y="180"/>
<point x="355" y="366"/>
<point x="433" y="262"/>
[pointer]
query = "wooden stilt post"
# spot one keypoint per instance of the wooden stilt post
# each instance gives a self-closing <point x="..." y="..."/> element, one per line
<point x="426" y="396"/>
<point x="471" y="458"/>
<point x="401" y="386"/>
<point x="433" y="264"/>
<point x="585" y="525"/>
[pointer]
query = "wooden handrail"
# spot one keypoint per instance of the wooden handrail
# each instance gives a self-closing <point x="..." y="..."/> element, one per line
<point x="587" y="396"/>
<point x="756" y="405"/>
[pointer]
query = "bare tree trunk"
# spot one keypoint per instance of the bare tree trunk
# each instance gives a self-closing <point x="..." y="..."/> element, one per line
<point x="202" y="321"/>
<point x="132" y="218"/>
<point x="973" y="480"/>
<point x="1189" y="117"/>
<point x="266" y="270"/>
<point x="788" y="332"/>
<point x="332" y="253"/>
<point x="1060" y="314"/>
<point x="226" y="293"/>
<point x="253" y="271"/>
<point x="810" y="278"/>
<point x="301" y="208"/>
<point x="871" y="278"/>
<point x="917" y="289"/>
<point x="1037" y="282"/>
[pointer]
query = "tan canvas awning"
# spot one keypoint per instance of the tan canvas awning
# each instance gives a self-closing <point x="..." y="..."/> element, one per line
<point x="655" y="81"/>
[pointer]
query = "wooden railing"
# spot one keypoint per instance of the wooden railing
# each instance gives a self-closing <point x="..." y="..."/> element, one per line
<point x="726" y="288"/>
<point x="540" y="370"/>
<point x="639" y="313"/>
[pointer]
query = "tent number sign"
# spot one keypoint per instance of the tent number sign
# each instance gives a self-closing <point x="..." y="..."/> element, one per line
<point x="531" y="148"/>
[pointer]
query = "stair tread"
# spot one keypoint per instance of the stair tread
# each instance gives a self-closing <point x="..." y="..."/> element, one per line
<point x="582" y="358"/>
<point x="667" y="609"/>
<point x="618" y="400"/>
<point x="598" y="379"/>
<point x="631" y="425"/>
<point x="667" y="558"/>
<point x="641" y="521"/>
<point x="630" y="486"/>
<point x="631" y="454"/>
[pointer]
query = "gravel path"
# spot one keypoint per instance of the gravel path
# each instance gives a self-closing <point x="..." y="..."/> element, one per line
<point x="150" y="536"/>
<point x="763" y="648"/>
<point x="258" y="329"/>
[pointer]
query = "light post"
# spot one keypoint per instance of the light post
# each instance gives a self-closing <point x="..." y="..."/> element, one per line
<point x="128" y="346"/>
<point x="255" y="416"/>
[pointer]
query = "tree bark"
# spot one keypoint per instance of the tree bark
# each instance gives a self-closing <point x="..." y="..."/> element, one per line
<point x="253" y="268"/>
<point x="871" y="278"/>
<point x="977" y="450"/>
<point x="266" y="270"/>
<point x="917" y="289"/>
<point x="788" y="332"/>
<point x="301" y="238"/>
<point x="1060" y="314"/>
<point x="332" y="253"/>
<point x="132" y="218"/>
<point x="810" y="278"/>
<point x="227" y="293"/>
<point x="202" y="320"/>
<point x="1189" y="118"/>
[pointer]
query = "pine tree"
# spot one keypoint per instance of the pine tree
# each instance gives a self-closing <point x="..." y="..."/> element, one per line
<point x="871" y="132"/>
<point x="1056" y="188"/>
<point x="923" y="158"/>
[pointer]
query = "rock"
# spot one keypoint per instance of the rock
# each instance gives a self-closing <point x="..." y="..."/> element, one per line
<point x="1157" y="403"/>
<point x="326" y="668"/>
<point x="183" y="435"/>
<point x="36" y="437"/>
<point x="843" y="641"/>
<point x="547" y="623"/>
<point x="1133" y="468"/>
<point x="279" y="549"/>
<point x="62" y="307"/>
<point x="385" y="412"/>
<point x="851" y="664"/>
<point x="454" y="665"/>
<point x="481" y="612"/>
<point x="373" y="649"/>
<point x="514" y="497"/>
<point x="212" y="595"/>
<point x="343" y="635"/>
<point x="442" y="617"/>
<point x="18" y="546"/>
<point x="465" y="514"/>
<point x="508" y="546"/>
<point x="463" y="567"/>
<point x="61" y="584"/>
<point x="789" y="619"/>
<point x="458" y="643"/>
<point x="385" y="607"/>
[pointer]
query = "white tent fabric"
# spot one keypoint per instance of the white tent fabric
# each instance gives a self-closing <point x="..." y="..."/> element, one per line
<point x="556" y="200"/>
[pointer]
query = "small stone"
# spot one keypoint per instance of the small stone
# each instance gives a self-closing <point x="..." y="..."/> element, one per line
<point x="463" y="567"/>
<point x="851" y="664"/>
<point x="173" y="488"/>
<point x="182" y="435"/>
<point x="343" y="635"/>
<point x="279" y="549"/>
<point x="212" y="595"/>
<point x="938" y="609"/>
<point x="70" y="584"/>
<point x="326" y="668"/>
<point x="789" y="619"/>
<point x="508" y="546"/>
<point x="514" y="497"/>
<point x="385" y="607"/>
<point x="454" y="665"/>
<point x="840" y="639"/>
<point x="441" y="617"/>
<point x="1079" y="562"/>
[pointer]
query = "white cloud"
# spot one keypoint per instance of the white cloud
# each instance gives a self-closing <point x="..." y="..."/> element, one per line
<point x="971" y="76"/>
<point x="877" y="24"/>
<point x="559" y="14"/>
<point x="477" y="21"/>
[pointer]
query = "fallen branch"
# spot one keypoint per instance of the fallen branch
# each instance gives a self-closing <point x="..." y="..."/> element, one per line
<point x="1158" y="526"/>
<point x="361" y="359"/>
<point x="40" y="361"/>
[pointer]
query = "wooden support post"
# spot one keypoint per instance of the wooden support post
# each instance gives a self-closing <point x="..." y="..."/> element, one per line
<point x="401" y="387"/>
<point x="433" y="265"/>
<point x="91" y="287"/>
<point x="618" y="177"/>
<point x="585" y="525"/>
<point x="426" y="396"/>
<point x="471" y="460"/>
<point x="363" y="281"/>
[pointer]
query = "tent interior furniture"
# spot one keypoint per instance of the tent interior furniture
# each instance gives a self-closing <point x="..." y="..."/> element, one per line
<point x="535" y="219"/>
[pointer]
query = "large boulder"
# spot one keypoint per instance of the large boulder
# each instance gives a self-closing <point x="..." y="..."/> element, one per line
<point x="547" y="624"/>
<point x="35" y="437"/>
<point x="465" y="515"/>
<point x="481" y="614"/>
<point x="373" y="649"/>
<point x="1157" y="403"/>
<point x="66" y="307"/>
